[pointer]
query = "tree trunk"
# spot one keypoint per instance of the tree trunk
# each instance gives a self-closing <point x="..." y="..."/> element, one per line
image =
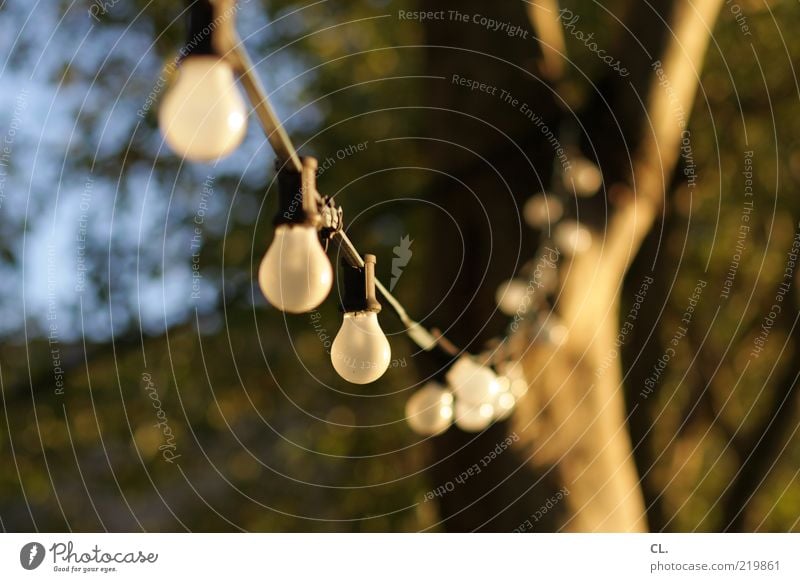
<point x="580" y="405"/>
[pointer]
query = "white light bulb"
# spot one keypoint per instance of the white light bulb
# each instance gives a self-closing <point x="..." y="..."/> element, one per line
<point x="203" y="116"/>
<point x="542" y="209"/>
<point x="295" y="274"/>
<point x="572" y="238"/>
<point x="503" y="405"/>
<point x="472" y="382"/>
<point x="473" y="417"/>
<point x="360" y="352"/>
<point x="584" y="176"/>
<point x="429" y="411"/>
<point x="515" y="377"/>
<point x="510" y="296"/>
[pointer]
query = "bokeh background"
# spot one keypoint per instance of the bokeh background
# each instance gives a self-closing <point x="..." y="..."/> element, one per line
<point x="109" y="295"/>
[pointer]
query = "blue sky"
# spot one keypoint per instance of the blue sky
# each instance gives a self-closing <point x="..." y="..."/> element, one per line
<point x="54" y="196"/>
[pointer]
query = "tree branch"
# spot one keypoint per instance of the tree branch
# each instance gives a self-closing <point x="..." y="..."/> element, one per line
<point x="543" y="15"/>
<point x="672" y="94"/>
<point x="582" y="408"/>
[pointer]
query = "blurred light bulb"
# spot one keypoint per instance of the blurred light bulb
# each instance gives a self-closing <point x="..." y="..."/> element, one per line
<point x="472" y="382"/>
<point x="429" y="411"/>
<point x="203" y="116"/>
<point x="510" y="296"/>
<point x="295" y="274"/>
<point x="542" y="209"/>
<point x="503" y="405"/>
<point x="473" y="417"/>
<point x="514" y="374"/>
<point x="360" y="352"/>
<point x="584" y="176"/>
<point x="572" y="238"/>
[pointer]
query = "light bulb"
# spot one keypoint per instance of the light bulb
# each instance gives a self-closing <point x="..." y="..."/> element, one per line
<point x="295" y="274"/>
<point x="360" y="352"/>
<point x="510" y="296"/>
<point x="503" y="405"/>
<point x="584" y="176"/>
<point x="473" y="417"/>
<point x="515" y="377"/>
<point x="572" y="238"/>
<point x="203" y="116"/>
<point x="542" y="209"/>
<point x="472" y="382"/>
<point x="429" y="411"/>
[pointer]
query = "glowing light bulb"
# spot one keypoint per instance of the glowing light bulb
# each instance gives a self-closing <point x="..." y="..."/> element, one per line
<point x="572" y="238"/>
<point x="471" y="382"/>
<point x="542" y="209"/>
<point x="295" y="274"/>
<point x="503" y="405"/>
<point x="584" y="176"/>
<point x="203" y="116"/>
<point x="473" y="417"/>
<point x="429" y="411"/>
<point x="515" y="376"/>
<point x="510" y="296"/>
<point x="360" y="352"/>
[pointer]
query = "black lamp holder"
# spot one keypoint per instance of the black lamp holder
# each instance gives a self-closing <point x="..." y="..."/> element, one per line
<point x="359" y="287"/>
<point x="297" y="194"/>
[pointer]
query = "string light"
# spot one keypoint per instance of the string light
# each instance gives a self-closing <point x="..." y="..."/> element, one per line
<point x="203" y="117"/>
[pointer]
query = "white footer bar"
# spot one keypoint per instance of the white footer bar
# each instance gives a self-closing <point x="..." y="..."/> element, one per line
<point x="406" y="557"/>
